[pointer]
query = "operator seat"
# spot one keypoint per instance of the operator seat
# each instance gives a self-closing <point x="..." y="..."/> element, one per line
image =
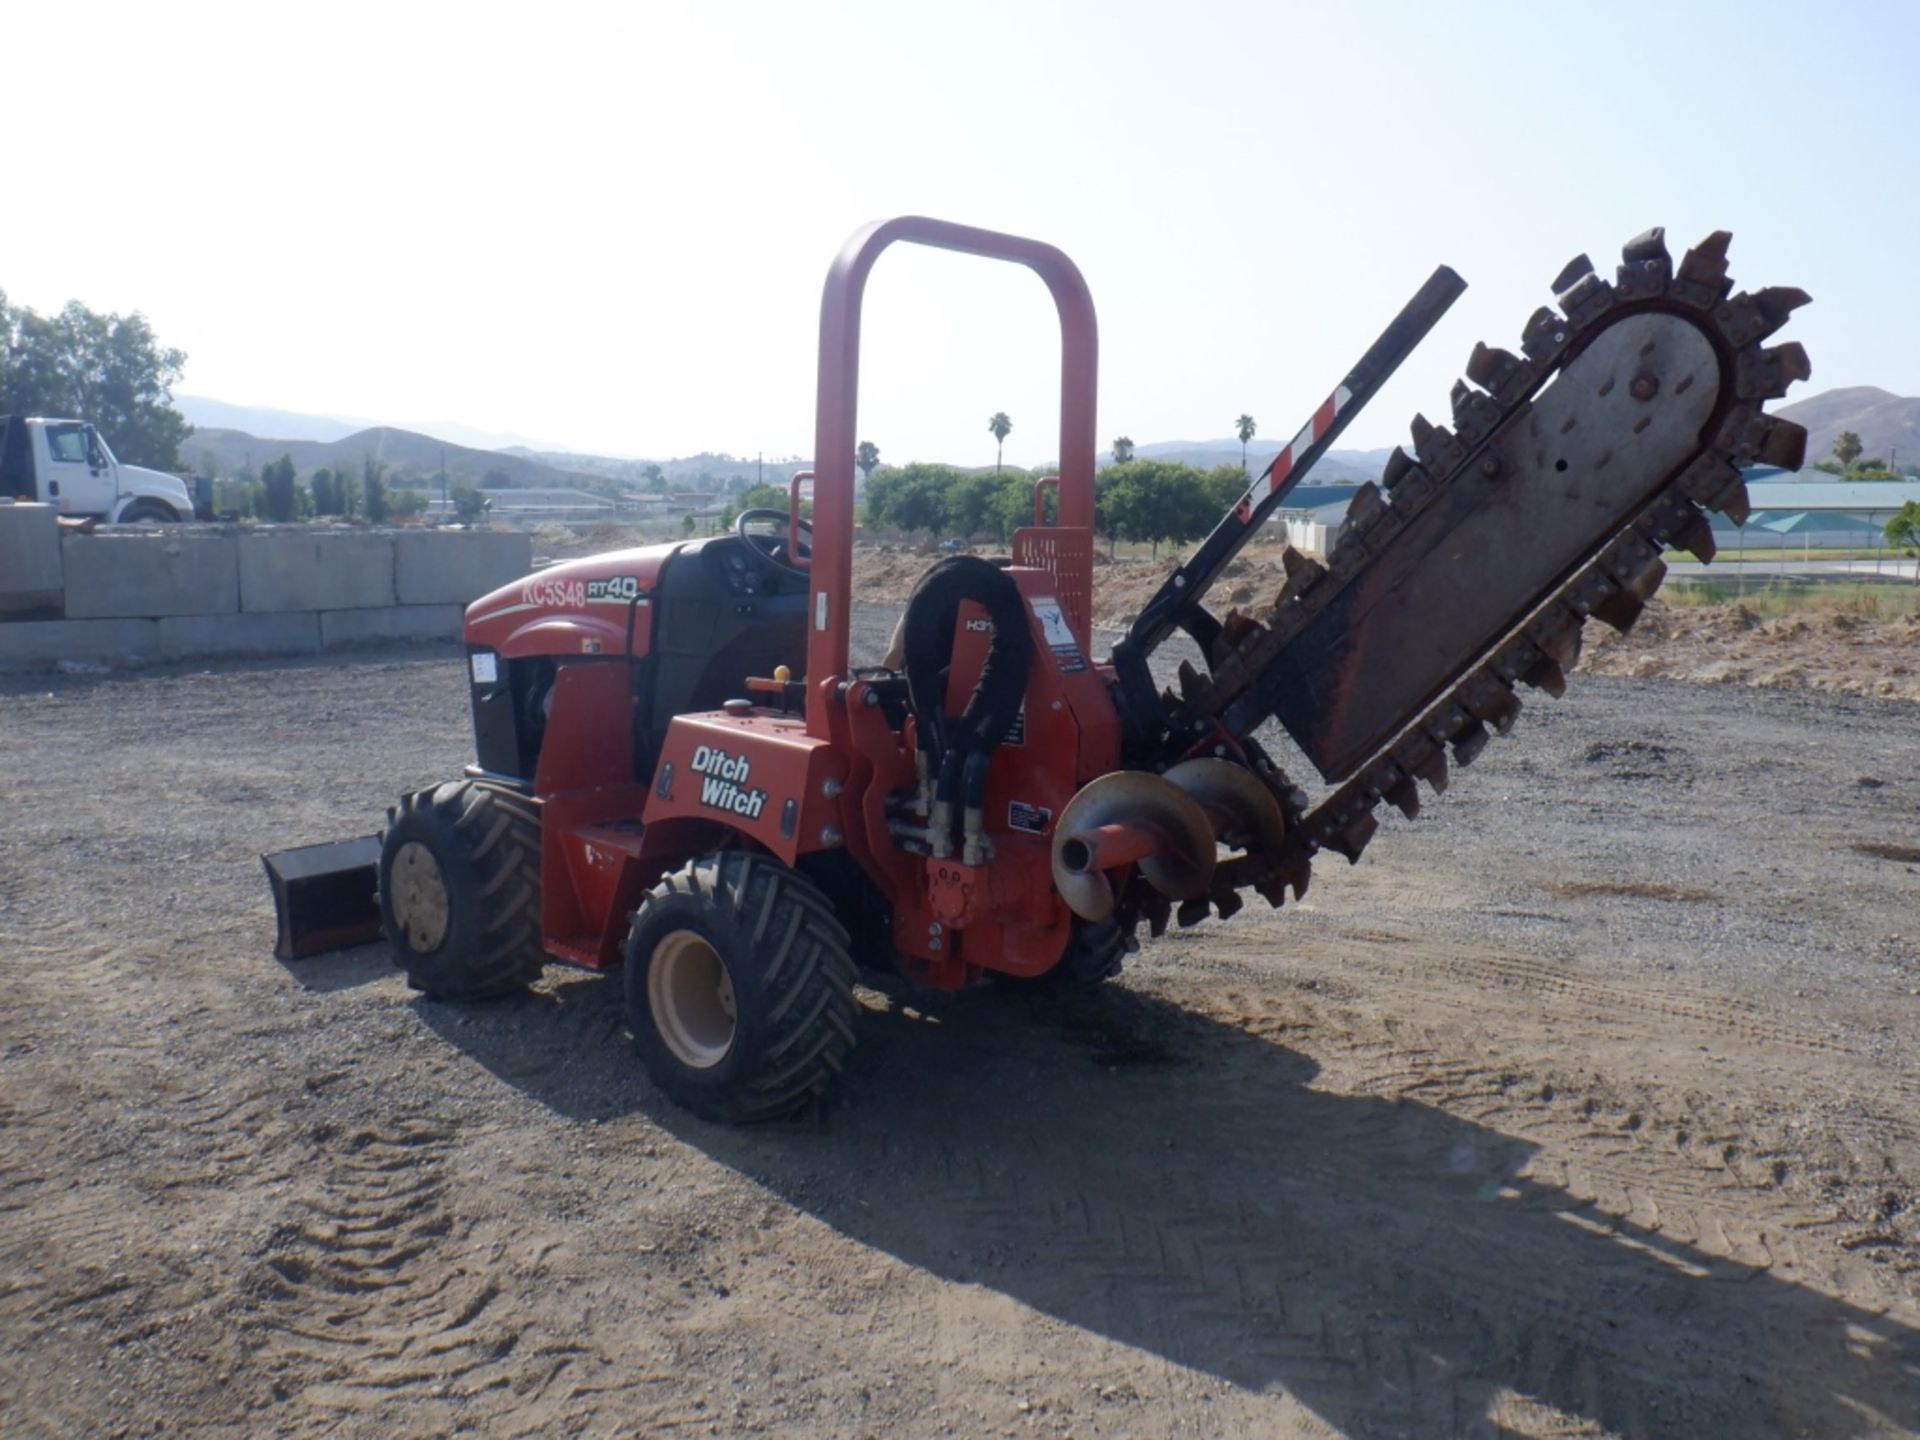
<point x="720" y="614"/>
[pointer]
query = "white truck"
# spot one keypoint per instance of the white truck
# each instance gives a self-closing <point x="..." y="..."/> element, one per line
<point x="66" y="464"/>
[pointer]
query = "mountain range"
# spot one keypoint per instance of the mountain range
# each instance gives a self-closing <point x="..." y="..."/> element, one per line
<point x="232" y="437"/>
<point x="1888" y="425"/>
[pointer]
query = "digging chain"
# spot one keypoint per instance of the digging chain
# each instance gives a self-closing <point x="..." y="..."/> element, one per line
<point x="1613" y="584"/>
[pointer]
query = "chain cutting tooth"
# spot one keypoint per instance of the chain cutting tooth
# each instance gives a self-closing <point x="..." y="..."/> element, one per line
<point x="1588" y="299"/>
<point x="1433" y="770"/>
<point x="1495" y="370"/>
<point x="1623" y="607"/>
<point x="1766" y="374"/>
<point x="1710" y="480"/>
<point x="1192" y="683"/>
<point x="1702" y="278"/>
<point x="1571" y="274"/>
<point x="1750" y="317"/>
<point x="1544" y="337"/>
<point x="1474" y="414"/>
<point x="1545" y="674"/>
<point x="1303" y="573"/>
<point x="1645" y="266"/>
<point x="1365" y="509"/>
<point x="1435" y="445"/>
<point x="1192" y="912"/>
<point x="1352" y="838"/>
<point x="1694" y="534"/>
<point x="1784" y="444"/>
<point x="1499" y="709"/>
<point x="1398" y="464"/>
<point x="1649" y="245"/>
<point x="1404" y="796"/>
<point x="1468" y="741"/>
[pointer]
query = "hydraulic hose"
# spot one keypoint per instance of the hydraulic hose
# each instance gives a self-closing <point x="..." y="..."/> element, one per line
<point x="932" y="612"/>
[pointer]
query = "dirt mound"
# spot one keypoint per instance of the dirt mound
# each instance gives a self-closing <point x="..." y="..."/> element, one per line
<point x="1846" y="651"/>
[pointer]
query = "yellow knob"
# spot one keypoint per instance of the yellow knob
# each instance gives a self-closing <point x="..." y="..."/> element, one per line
<point x="782" y="674"/>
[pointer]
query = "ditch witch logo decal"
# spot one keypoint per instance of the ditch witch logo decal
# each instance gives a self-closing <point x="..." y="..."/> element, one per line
<point x="723" y="784"/>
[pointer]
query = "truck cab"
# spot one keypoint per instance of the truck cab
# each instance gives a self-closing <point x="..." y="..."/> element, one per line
<point x="67" y="464"/>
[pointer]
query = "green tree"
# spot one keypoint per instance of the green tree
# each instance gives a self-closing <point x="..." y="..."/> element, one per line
<point x="1001" y="427"/>
<point x="1012" y="506"/>
<point x="278" y="477"/>
<point x="1903" y="532"/>
<point x="655" y="477"/>
<point x="1122" y="450"/>
<point x="688" y="524"/>
<point x="407" y="503"/>
<point x="110" y="369"/>
<point x="866" y="457"/>
<point x="1244" y="428"/>
<point x="972" y="504"/>
<point x="763" y="497"/>
<point x="911" y="497"/>
<point x="373" y="488"/>
<point x="468" y="504"/>
<point x="1154" y="500"/>
<point x="231" y="497"/>
<point x="325" y="486"/>
<point x="1846" y="448"/>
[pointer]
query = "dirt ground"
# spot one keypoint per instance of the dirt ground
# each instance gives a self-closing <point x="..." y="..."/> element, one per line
<point x="1585" y="1105"/>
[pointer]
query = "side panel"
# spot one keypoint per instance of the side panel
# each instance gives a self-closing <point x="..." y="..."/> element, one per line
<point x="589" y="740"/>
<point x="759" y="774"/>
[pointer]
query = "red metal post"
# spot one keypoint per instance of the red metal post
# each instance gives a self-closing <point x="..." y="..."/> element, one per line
<point x="836" y="417"/>
<point x="794" y="557"/>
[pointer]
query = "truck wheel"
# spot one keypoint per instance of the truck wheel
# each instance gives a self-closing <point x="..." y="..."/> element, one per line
<point x="739" y="988"/>
<point x="148" y="510"/>
<point x="1093" y="956"/>
<point x="460" y="891"/>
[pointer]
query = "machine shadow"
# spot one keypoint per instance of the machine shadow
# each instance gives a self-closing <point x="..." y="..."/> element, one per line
<point x="1176" y="1184"/>
<point x="341" y="969"/>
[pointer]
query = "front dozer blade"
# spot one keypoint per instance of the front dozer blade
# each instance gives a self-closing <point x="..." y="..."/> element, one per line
<point x="324" y="896"/>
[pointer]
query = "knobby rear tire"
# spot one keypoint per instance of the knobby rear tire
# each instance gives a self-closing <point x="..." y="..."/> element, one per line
<point x="486" y="841"/>
<point x="791" y="980"/>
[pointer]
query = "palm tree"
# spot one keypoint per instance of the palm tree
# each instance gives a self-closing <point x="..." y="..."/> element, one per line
<point x="1122" y="450"/>
<point x="1001" y="427"/>
<point x="866" y="457"/>
<point x="1244" y="427"/>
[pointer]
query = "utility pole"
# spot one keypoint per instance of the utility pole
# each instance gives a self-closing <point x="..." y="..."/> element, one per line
<point x="443" y="477"/>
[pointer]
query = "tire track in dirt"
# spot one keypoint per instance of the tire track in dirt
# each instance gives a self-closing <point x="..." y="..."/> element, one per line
<point x="372" y="1295"/>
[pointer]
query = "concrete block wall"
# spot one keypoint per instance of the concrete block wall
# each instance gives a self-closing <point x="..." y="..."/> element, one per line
<point x="172" y="571"/>
<point x="30" y="577"/>
<point x="174" y="592"/>
<point x="316" y="570"/>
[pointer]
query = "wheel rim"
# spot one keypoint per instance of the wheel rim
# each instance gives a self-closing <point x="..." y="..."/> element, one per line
<point x="418" y="894"/>
<point x="690" y="996"/>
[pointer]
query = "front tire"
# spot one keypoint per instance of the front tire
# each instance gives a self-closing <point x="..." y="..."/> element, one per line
<point x="460" y="891"/>
<point x="739" y="988"/>
<point x="141" y="510"/>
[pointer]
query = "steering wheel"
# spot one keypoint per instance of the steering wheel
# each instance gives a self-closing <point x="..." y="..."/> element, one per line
<point x="772" y="550"/>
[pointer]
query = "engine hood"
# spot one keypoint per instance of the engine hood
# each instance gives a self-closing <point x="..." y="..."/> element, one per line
<point x="138" y="480"/>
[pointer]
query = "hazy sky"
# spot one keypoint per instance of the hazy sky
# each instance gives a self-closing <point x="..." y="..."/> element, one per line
<point x="607" y="225"/>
